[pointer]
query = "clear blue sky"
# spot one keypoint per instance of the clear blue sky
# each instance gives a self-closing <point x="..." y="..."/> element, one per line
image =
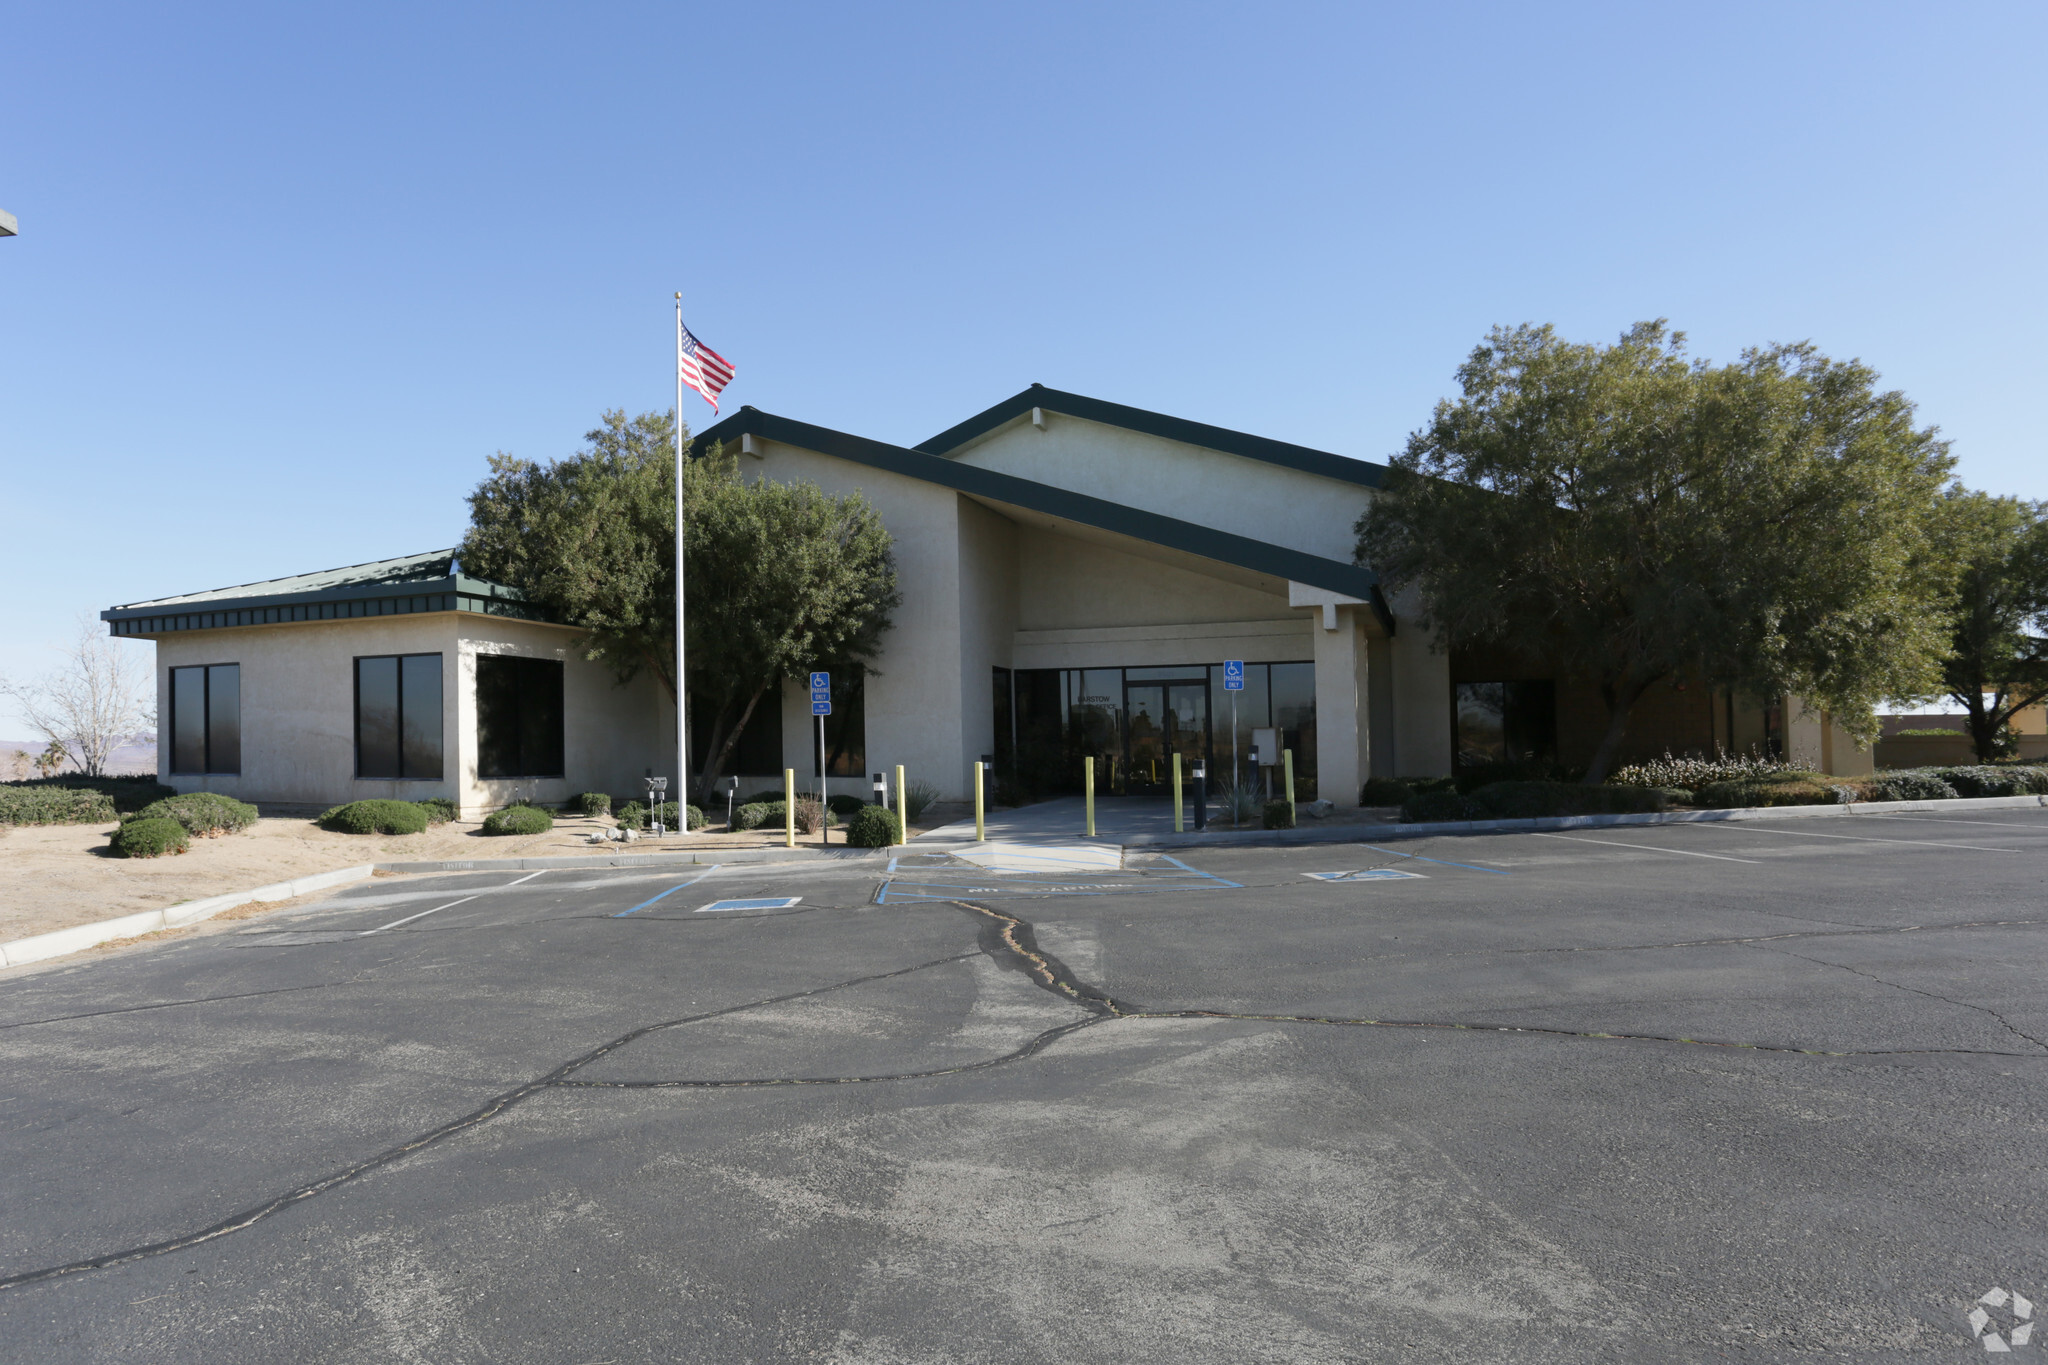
<point x="288" y="274"/>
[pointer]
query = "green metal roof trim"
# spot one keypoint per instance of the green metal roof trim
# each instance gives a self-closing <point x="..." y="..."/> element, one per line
<point x="384" y="587"/>
<point x="1257" y="555"/>
<point x="1364" y="473"/>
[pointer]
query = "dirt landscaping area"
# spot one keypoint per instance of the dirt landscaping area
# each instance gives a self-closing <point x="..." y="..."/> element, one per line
<point x="56" y="876"/>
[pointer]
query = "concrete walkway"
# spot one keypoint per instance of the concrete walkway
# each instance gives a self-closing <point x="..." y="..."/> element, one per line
<point x="1064" y="820"/>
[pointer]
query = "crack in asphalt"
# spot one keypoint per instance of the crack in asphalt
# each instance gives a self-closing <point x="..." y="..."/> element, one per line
<point x="2010" y="1027"/>
<point x="175" y="1004"/>
<point x="1007" y="939"/>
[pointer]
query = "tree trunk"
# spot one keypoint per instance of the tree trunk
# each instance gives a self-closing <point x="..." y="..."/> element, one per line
<point x="1984" y="726"/>
<point x="721" y="750"/>
<point x="1620" y="697"/>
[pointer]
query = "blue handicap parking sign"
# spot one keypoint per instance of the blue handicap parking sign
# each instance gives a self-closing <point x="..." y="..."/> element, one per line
<point x="1233" y="675"/>
<point x="821" y="682"/>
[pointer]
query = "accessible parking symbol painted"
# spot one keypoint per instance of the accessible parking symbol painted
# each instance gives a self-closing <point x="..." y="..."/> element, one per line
<point x="1371" y="874"/>
<point x="763" y="903"/>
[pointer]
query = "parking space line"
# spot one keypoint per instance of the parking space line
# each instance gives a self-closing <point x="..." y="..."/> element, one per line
<point x="1438" y="861"/>
<point x="527" y="878"/>
<point x="421" y="915"/>
<point x="1644" y="848"/>
<point x="1748" y="828"/>
<point x="670" y="892"/>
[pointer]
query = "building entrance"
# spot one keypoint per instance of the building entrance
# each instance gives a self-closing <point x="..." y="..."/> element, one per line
<point x="1166" y="718"/>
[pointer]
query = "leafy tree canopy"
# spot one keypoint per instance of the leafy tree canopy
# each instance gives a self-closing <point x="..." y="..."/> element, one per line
<point x="1997" y="661"/>
<point x="781" y="578"/>
<point x="1629" y="514"/>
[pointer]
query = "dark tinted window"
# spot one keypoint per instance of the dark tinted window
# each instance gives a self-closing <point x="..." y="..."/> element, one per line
<point x="188" y="720"/>
<point x="518" y="716"/>
<point x="419" y="714"/>
<point x="224" y="718"/>
<point x="377" y="717"/>
<point x="1506" y="722"/>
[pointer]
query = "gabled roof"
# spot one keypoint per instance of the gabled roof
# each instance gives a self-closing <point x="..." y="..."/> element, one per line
<point x="1259" y="556"/>
<point x="385" y="587"/>
<point x="1364" y="473"/>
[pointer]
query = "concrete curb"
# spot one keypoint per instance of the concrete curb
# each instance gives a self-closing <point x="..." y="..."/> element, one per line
<point x="667" y="858"/>
<point x="1354" y="834"/>
<point x="80" y="936"/>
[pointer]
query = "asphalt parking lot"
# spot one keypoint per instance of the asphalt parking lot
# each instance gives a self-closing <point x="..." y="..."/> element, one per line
<point x="1744" y="1091"/>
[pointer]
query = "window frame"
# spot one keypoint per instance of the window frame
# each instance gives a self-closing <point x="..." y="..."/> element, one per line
<point x="206" y="768"/>
<point x="398" y="721"/>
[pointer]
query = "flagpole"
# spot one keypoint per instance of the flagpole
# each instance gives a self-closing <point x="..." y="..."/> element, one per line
<point x="682" y="713"/>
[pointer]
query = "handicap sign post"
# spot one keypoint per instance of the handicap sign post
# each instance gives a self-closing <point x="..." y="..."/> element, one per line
<point x="1233" y="683"/>
<point x="821" y="707"/>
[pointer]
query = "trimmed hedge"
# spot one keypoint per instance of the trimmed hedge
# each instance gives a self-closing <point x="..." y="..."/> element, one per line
<point x="1524" y="800"/>
<point x="152" y="837"/>
<point x="873" y="827"/>
<point x="633" y="815"/>
<point x="753" y="815"/>
<point x="376" y="817"/>
<point x="592" y="804"/>
<point x="55" y="806"/>
<point x="207" y="814"/>
<point x="1279" y="815"/>
<point x="1908" y="786"/>
<point x="130" y="792"/>
<point x="763" y="798"/>
<point x="844" y="805"/>
<point x="1384" y="791"/>
<point x="519" y="820"/>
<point x="2003" y="780"/>
<point x="1789" y="789"/>
<point x="440" y="810"/>
<point x="773" y="816"/>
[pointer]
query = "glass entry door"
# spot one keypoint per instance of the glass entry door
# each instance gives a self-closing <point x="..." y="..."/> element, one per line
<point x="1165" y="718"/>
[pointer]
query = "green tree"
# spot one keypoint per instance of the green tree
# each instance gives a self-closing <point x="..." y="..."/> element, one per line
<point x="1997" y="662"/>
<point x="781" y="578"/>
<point x="1628" y="514"/>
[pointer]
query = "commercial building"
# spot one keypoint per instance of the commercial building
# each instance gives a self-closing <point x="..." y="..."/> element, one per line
<point x="1074" y="576"/>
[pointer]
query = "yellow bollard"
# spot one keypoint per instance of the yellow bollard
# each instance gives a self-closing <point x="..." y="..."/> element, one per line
<point x="1177" y="817"/>
<point x="1088" y="781"/>
<point x="980" y="832"/>
<point x="902" y="806"/>
<point x="789" y="806"/>
<point x="1287" y="771"/>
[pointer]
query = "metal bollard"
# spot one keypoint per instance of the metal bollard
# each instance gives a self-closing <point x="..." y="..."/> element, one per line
<point x="1177" y="816"/>
<point x="1088" y="783"/>
<point x="980" y="832"/>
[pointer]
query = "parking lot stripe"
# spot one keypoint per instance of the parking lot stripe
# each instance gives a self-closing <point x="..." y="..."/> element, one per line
<point x="1865" y="838"/>
<point x="1644" y="848"/>
<point x="1441" y="862"/>
<point x="671" y="891"/>
<point x="421" y="915"/>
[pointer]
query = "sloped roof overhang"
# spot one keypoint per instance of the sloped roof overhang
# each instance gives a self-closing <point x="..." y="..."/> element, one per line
<point x="1061" y="505"/>
<point x="385" y="587"/>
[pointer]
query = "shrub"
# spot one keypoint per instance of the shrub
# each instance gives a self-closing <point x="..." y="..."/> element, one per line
<point x="1471" y="777"/>
<point x="919" y="797"/>
<point x="1530" y="800"/>
<point x="631" y="815"/>
<point x="1384" y="791"/>
<point x="440" y="810"/>
<point x="592" y="804"/>
<point x="873" y="827"/>
<point x="753" y="815"/>
<point x="129" y="792"/>
<point x="376" y="817"/>
<point x="1930" y="733"/>
<point x="1428" y="808"/>
<point x="1984" y="780"/>
<point x="763" y="798"/>
<point x="150" y="838"/>
<point x="1279" y="815"/>
<point x="1691" y="772"/>
<point x="207" y="814"/>
<point x="666" y="813"/>
<point x="1786" y="789"/>
<point x="1907" y="786"/>
<point x="844" y="805"/>
<point x="25" y="805"/>
<point x="518" y="820"/>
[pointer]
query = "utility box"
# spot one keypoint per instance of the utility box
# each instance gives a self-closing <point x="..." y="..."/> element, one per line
<point x="1267" y="742"/>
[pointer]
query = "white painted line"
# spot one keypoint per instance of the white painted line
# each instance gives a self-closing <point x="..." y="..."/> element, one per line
<point x="1371" y="874"/>
<point x="1643" y="848"/>
<point x="421" y="915"/>
<point x="1867" y="839"/>
<point x="757" y="903"/>
<point x="527" y="878"/>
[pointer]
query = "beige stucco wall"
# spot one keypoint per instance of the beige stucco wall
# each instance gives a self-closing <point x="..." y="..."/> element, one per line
<point x="298" y="710"/>
<point x="1305" y="512"/>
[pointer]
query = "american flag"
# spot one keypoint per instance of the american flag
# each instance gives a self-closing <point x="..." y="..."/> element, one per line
<point x="702" y="368"/>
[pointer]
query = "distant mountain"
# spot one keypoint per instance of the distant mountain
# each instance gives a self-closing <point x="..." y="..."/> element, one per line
<point x="128" y="758"/>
